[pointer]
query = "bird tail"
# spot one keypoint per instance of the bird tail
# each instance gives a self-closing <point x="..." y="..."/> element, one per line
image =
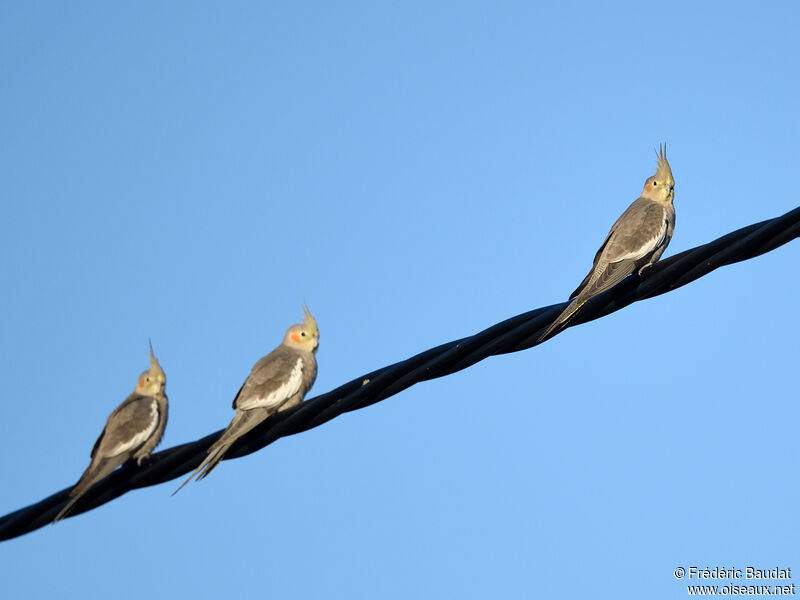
<point x="94" y="473"/>
<point x="562" y="319"/>
<point x="212" y="459"/>
<point x="241" y="423"/>
<point x="65" y="511"/>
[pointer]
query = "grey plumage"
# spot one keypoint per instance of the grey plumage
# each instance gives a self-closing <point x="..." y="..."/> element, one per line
<point x="276" y="382"/>
<point x="636" y="240"/>
<point x="132" y="431"/>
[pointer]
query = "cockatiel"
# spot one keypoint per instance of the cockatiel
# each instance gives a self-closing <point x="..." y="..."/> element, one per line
<point x="635" y="242"/>
<point x="278" y="381"/>
<point x="132" y="431"/>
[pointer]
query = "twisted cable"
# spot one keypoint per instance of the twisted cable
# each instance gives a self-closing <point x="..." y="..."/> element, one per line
<point x="512" y="335"/>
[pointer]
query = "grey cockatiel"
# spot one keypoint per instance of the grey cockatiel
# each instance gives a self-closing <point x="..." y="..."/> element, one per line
<point x="132" y="431"/>
<point x="278" y="381"/>
<point x="636" y="241"/>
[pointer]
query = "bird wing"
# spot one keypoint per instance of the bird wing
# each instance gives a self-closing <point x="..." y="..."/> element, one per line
<point x="634" y="237"/>
<point x="273" y="380"/>
<point x="639" y="234"/>
<point x="129" y="426"/>
<point x="609" y="275"/>
<point x="594" y="266"/>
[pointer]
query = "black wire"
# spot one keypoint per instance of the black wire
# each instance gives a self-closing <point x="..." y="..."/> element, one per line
<point x="512" y="335"/>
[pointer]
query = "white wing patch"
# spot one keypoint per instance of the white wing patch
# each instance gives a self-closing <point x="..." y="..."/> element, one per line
<point x="141" y="437"/>
<point x="280" y="394"/>
<point x="649" y="246"/>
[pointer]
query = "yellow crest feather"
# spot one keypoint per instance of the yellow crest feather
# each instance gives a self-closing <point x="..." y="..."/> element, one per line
<point x="663" y="170"/>
<point x="308" y="319"/>
<point x="155" y="366"/>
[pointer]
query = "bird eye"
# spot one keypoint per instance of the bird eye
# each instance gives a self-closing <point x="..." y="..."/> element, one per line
<point x="303" y="334"/>
<point x="655" y="184"/>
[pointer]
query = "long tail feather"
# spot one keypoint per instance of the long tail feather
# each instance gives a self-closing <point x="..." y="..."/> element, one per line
<point x="213" y="460"/>
<point x="212" y="454"/>
<point x="242" y="422"/>
<point x="189" y="478"/>
<point x="562" y="319"/>
<point x="65" y="511"/>
<point x="92" y="475"/>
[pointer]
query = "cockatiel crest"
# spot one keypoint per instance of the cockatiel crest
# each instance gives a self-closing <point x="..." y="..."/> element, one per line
<point x="661" y="186"/>
<point x="152" y="381"/>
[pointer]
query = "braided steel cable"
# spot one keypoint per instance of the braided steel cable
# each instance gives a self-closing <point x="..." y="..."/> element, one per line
<point x="512" y="335"/>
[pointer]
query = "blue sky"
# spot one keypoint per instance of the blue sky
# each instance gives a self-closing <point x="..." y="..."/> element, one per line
<point x="191" y="172"/>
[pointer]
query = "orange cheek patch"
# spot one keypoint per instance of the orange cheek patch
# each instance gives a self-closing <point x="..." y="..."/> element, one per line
<point x="295" y="337"/>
